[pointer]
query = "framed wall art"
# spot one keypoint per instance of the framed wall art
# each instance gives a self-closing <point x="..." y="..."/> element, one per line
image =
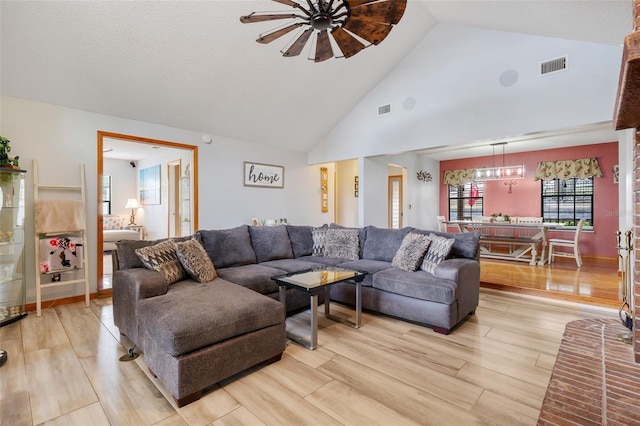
<point x="263" y="175"/>
<point x="324" y="189"/>
<point x="150" y="185"/>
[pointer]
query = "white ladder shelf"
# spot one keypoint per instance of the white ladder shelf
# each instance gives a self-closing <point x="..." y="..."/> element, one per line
<point x="74" y="190"/>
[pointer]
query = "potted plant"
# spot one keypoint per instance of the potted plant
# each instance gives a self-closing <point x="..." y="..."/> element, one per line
<point x="5" y="149"/>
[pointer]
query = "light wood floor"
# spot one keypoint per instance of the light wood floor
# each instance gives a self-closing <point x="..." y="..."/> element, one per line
<point x="63" y="369"/>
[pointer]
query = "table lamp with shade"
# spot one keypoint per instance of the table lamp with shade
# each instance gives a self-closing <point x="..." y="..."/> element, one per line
<point x="132" y="203"/>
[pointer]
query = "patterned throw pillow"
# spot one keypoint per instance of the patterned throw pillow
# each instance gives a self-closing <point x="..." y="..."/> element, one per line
<point x="318" y="235"/>
<point x="342" y="243"/>
<point x="113" y="222"/>
<point x="437" y="252"/>
<point x="411" y="252"/>
<point x="195" y="261"/>
<point x="162" y="257"/>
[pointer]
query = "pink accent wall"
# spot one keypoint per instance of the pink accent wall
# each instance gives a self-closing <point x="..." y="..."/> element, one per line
<point x="525" y="199"/>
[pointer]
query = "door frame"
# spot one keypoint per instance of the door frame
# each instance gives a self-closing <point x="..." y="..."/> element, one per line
<point x="100" y="171"/>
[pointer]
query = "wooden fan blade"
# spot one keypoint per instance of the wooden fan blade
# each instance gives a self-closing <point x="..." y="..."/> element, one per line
<point x="268" y="38"/>
<point x="348" y="44"/>
<point x="356" y="3"/>
<point x="373" y="32"/>
<point x="261" y="18"/>
<point x="296" y="48"/>
<point x="288" y="3"/>
<point x="323" y="47"/>
<point x="386" y="12"/>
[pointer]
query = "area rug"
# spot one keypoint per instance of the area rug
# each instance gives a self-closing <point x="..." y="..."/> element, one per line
<point x="595" y="380"/>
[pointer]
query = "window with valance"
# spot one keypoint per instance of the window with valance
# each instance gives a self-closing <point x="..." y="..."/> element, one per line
<point x="568" y="169"/>
<point x="458" y="177"/>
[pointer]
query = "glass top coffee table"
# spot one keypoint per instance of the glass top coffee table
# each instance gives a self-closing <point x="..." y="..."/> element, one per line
<point x="313" y="282"/>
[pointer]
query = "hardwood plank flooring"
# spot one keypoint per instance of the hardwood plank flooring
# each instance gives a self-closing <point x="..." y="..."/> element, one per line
<point x="63" y="368"/>
<point x="595" y="283"/>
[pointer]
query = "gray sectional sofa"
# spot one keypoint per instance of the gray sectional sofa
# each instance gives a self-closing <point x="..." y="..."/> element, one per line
<point x="172" y="325"/>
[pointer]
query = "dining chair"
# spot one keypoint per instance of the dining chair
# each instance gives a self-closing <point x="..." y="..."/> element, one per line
<point x="528" y="232"/>
<point x="442" y="227"/>
<point x="574" y="245"/>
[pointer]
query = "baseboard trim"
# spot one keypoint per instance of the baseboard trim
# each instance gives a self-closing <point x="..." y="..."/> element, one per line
<point x="31" y="307"/>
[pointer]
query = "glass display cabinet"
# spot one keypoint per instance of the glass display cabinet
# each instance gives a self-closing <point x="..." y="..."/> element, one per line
<point x="185" y="206"/>
<point x="12" y="282"/>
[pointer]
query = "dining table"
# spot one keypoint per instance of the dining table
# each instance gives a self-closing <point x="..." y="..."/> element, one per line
<point x="525" y="242"/>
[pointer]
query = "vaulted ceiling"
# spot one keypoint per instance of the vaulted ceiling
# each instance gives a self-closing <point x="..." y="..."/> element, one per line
<point x="193" y="65"/>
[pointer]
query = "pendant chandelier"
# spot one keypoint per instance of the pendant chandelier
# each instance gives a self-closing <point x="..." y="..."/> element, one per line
<point x="499" y="172"/>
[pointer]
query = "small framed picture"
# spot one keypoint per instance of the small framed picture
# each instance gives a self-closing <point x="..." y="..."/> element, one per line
<point x="254" y="221"/>
<point x="616" y="173"/>
<point x="357" y="179"/>
<point x="355" y="193"/>
<point x="356" y="187"/>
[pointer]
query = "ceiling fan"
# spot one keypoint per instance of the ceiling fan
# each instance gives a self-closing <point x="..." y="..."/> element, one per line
<point x="353" y="25"/>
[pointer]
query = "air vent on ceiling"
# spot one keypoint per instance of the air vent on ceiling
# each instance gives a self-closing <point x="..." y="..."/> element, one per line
<point x="553" y="65"/>
<point x="384" y="109"/>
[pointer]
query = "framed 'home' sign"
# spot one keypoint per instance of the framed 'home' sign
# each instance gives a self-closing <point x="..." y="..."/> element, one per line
<point x="263" y="175"/>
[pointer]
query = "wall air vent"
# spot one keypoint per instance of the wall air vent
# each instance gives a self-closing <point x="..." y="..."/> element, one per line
<point x="384" y="109"/>
<point x="553" y="65"/>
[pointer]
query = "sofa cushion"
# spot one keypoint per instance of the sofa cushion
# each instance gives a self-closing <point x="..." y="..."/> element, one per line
<point x="195" y="261"/>
<point x="438" y="251"/>
<point x="162" y="257"/>
<point x="229" y="247"/>
<point x="127" y="257"/>
<point x="366" y="265"/>
<point x="466" y="245"/>
<point x="291" y="265"/>
<point x="342" y="243"/>
<point x="419" y="285"/>
<point x="411" y="253"/>
<point x="209" y="313"/>
<point x="301" y="240"/>
<point x="382" y="244"/>
<point x="318" y="235"/>
<point x="270" y="242"/>
<point x="330" y="261"/>
<point x="255" y="277"/>
<point x="362" y="234"/>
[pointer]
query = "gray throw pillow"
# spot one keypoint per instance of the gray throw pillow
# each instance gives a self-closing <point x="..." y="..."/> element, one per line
<point x="342" y="243"/>
<point x="162" y="257"/>
<point x="318" y="235"/>
<point x="195" y="261"/>
<point x="411" y="253"/>
<point x="437" y="252"/>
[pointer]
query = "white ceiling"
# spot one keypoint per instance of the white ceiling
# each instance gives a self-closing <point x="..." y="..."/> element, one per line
<point x="193" y="65"/>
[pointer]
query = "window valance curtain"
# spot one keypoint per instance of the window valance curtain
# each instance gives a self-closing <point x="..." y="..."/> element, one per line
<point x="567" y="169"/>
<point x="458" y="177"/>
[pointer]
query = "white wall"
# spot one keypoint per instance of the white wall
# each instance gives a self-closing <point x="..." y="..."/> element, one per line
<point x="420" y="198"/>
<point x="155" y="217"/>
<point x="61" y="138"/>
<point x="453" y="78"/>
<point x="123" y="185"/>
